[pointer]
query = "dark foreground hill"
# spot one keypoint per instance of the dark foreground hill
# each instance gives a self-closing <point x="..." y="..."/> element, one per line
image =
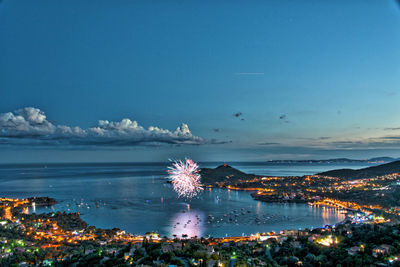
<point x="373" y="171"/>
<point x="223" y="173"/>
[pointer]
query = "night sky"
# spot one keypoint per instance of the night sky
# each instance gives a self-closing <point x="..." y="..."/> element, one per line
<point x="94" y="81"/>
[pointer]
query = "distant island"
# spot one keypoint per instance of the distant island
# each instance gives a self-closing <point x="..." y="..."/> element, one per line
<point x="338" y="160"/>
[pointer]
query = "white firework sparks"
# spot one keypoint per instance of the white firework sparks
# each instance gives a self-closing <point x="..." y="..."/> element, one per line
<point x="185" y="178"/>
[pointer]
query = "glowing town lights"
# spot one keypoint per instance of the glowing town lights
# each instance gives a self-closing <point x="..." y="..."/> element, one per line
<point x="185" y="178"/>
<point x="328" y="241"/>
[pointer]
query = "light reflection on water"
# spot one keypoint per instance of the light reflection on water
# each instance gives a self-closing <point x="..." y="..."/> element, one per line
<point x="188" y="223"/>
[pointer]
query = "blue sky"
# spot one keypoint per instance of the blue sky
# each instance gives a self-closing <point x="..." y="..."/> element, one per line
<point x="311" y="79"/>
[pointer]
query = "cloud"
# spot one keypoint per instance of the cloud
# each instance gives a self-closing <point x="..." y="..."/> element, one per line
<point x="30" y="126"/>
<point x="324" y="137"/>
<point x="388" y="142"/>
<point x="268" y="144"/>
<point x="249" y="73"/>
<point x="217" y="142"/>
<point x="345" y="143"/>
<point x="238" y="114"/>
<point x="392" y="129"/>
<point x="284" y="117"/>
<point x="391" y="93"/>
<point x="390" y="137"/>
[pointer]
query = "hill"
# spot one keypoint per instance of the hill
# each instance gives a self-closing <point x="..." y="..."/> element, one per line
<point x="223" y="173"/>
<point x="373" y="171"/>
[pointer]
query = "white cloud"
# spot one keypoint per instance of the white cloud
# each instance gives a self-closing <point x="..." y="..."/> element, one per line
<point x="31" y="123"/>
<point x="25" y="122"/>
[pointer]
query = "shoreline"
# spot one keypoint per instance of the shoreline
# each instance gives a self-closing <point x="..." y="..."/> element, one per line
<point x="52" y="201"/>
<point x="65" y="238"/>
<point x="316" y="225"/>
<point x="20" y="209"/>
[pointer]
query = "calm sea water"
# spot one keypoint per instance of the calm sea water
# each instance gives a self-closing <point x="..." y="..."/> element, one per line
<point x="135" y="197"/>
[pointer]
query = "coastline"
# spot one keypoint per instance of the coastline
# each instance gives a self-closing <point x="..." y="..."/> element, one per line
<point x="57" y="236"/>
<point x="17" y="210"/>
<point x="67" y="237"/>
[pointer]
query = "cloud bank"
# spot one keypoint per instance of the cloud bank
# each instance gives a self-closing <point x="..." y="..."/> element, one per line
<point x="30" y="125"/>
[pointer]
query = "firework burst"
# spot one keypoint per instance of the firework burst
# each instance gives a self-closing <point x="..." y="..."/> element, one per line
<point x="185" y="178"/>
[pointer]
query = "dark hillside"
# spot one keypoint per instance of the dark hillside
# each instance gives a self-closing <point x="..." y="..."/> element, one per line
<point x="223" y="173"/>
<point x="388" y="168"/>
